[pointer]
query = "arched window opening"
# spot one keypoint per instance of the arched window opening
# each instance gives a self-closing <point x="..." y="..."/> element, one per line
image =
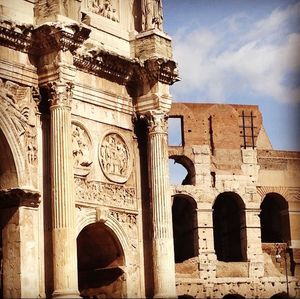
<point x="100" y="261"/>
<point x="229" y="228"/>
<point x="274" y="219"/>
<point x="182" y="170"/>
<point x="185" y="228"/>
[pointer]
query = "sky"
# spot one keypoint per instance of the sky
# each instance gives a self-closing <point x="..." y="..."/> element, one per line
<point x="240" y="52"/>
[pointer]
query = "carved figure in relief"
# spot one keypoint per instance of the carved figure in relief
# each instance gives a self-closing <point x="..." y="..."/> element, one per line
<point x="80" y="145"/>
<point x="152" y="14"/>
<point x="114" y="157"/>
<point x="18" y="102"/>
<point x="104" y="193"/>
<point x="104" y="8"/>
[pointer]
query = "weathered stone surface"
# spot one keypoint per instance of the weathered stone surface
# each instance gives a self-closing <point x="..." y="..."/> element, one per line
<point x="86" y="206"/>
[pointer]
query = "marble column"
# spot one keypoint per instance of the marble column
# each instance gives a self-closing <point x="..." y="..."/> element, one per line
<point x="163" y="247"/>
<point x="63" y="205"/>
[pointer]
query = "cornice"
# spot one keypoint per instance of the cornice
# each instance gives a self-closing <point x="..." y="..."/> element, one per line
<point x="58" y="36"/>
<point x="43" y="39"/>
<point x="55" y="36"/>
<point x="16" y="36"/>
<point x="161" y="69"/>
<point x="98" y="61"/>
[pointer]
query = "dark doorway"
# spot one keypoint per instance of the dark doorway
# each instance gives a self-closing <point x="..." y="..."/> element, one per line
<point x="229" y="228"/>
<point x="185" y="228"/>
<point x="274" y="219"/>
<point x="100" y="261"/>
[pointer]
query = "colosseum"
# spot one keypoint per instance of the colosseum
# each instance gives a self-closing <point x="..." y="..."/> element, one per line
<point x="86" y="205"/>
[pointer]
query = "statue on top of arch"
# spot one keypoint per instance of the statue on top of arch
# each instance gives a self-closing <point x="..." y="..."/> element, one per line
<point x="152" y="14"/>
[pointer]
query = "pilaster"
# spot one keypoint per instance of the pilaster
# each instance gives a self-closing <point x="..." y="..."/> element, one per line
<point x="207" y="256"/>
<point x="19" y="220"/>
<point x="254" y="248"/>
<point x="163" y="247"/>
<point x="63" y="205"/>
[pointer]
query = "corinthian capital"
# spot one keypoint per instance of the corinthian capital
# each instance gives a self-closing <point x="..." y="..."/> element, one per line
<point x="157" y="121"/>
<point x="60" y="93"/>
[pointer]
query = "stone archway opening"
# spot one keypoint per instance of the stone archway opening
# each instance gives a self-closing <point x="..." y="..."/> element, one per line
<point x="8" y="179"/>
<point x="100" y="263"/>
<point x="182" y="170"/>
<point x="185" y="228"/>
<point x="274" y="219"/>
<point x="229" y="228"/>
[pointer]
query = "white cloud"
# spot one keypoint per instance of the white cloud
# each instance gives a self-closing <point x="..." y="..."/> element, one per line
<point x="217" y="63"/>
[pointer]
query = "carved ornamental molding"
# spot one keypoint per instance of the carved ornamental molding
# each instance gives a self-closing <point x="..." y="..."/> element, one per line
<point x="157" y="122"/>
<point x="95" y="60"/>
<point x="55" y="36"/>
<point x="60" y="93"/>
<point x="114" y="158"/>
<point x="49" y="37"/>
<point x="161" y="69"/>
<point x="42" y="39"/>
<point x="16" y="36"/>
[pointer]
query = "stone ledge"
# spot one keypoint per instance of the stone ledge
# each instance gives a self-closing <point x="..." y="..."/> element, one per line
<point x="17" y="197"/>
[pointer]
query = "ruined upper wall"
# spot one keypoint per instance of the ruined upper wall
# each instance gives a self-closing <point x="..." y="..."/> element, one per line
<point x="221" y="126"/>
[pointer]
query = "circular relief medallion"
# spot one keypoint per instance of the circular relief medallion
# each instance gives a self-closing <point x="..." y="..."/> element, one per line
<point x="114" y="158"/>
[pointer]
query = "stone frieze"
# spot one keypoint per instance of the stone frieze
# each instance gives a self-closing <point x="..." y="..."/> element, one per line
<point x="106" y="194"/>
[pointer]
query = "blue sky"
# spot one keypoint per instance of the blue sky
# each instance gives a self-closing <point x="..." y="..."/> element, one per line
<point x="241" y="52"/>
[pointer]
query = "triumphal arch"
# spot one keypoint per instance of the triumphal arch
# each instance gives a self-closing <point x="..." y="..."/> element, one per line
<point x="86" y="205"/>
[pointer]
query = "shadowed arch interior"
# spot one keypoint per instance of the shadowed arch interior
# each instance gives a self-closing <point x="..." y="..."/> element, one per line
<point x="229" y="228"/>
<point x="100" y="261"/>
<point x="274" y="219"/>
<point x="185" y="228"/>
<point x="8" y="172"/>
<point x="233" y="296"/>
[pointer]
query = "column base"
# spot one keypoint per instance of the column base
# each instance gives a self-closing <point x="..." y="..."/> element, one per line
<point x="66" y="294"/>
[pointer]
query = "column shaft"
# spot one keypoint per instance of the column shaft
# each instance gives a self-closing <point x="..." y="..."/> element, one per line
<point x="163" y="248"/>
<point x="63" y="205"/>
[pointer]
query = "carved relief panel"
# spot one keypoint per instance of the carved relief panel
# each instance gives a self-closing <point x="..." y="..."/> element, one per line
<point x="114" y="158"/>
<point x="19" y="102"/>
<point x="81" y="150"/>
<point x="106" y="8"/>
<point x="105" y="194"/>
